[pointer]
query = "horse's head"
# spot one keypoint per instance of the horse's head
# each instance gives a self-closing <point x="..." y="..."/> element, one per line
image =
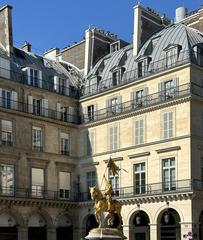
<point x="93" y="192"/>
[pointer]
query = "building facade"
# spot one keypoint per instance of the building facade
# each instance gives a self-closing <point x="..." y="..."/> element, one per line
<point x="64" y="114"/>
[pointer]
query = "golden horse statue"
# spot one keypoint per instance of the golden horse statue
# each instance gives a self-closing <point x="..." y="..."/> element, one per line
<point x="102" y="205"/>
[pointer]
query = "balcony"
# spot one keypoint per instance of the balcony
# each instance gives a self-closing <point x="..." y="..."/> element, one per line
<point x="49" y="85"/>
<point x="150" y="70"/>
<point x="38" y="111"/>
<point x="147" y="101"/>
<point x="129" y="192"/>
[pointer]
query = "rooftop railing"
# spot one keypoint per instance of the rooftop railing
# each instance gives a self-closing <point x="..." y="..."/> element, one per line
<point x="38" y="111"/>
<point x="137" y="73"/>
<point x="44" y="83"/>
<point x="146" y="101"/>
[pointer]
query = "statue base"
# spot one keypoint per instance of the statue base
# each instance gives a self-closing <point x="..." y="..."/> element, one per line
<point x="105" y="233"/>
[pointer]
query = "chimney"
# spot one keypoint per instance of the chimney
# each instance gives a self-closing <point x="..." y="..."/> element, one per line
<point x="137" y="29"/>
<point x="181" y="12"/>
<point x="146" y="21"/>
<point x="27" y="47"/>
<point x="6" y="36"/>
<point x="88" y="50"/>
<point x="51" y="53"/>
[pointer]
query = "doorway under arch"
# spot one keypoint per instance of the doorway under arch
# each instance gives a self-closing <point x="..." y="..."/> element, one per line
<point x="169" y="225"/>
<point x="201" y="225"/>
<point x="37" y="228"/>
<point x="8" y="229"/>
<point x="141" y="226"/>
<point x="64" y="229"/>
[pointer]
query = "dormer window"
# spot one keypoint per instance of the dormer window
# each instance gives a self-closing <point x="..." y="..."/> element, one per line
<point x="142" y="65"/>
<point x="61" y="85"/>
<point x="114" y="47"/>
<point x="199" y="55"/>
<point x="33" y="77"/>
<point x="172" y="52"/>
<point x="117" y="74"/>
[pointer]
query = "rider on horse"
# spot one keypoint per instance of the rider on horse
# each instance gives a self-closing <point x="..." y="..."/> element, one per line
<point x="107" y="194"/>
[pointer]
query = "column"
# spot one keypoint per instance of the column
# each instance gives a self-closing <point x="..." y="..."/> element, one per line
<point x="153" y="231"/>
<point x="127" y="231"/>
<point x="23" y="233"/>
<point x="51" y="233"/>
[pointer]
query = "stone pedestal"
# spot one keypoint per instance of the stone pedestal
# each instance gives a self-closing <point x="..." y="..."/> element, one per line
<point x="105" y="233"/>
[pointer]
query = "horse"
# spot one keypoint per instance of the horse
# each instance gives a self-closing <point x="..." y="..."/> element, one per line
<point x="101" y="205"/>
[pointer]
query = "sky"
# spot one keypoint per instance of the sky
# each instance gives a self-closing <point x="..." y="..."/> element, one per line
<point x="59" y="23"/>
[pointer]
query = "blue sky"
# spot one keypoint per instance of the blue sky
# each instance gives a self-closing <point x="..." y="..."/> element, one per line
<point x="60" y="23"/>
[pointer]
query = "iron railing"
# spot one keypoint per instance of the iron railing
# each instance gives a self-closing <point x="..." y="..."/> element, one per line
<point x="38" y="111"/>
<point x="153" y="68"/>
<point x="146" y="190"/>
<point x="49" y="85"/>
<point x="146" y="101"/>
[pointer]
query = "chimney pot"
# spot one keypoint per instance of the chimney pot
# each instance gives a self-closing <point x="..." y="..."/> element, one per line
<point x="27" y="47"/>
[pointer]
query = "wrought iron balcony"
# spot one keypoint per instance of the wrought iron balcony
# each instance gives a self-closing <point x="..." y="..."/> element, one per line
<point x="48" y="85"/>
<point x="38" y="111"/>
<point x="153" y="68"/>
<point x="147" y="101"/>
<point x="147" y="190"/>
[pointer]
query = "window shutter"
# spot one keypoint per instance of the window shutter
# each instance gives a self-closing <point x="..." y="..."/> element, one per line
<point x="176" y="85"/>
<point x="45" y="107"/>
<point x="111" y="138"/>
<point x="58" y="109"/>
<point x="145" y="95"/>
<point x="40" y="78"/>
<point x="6" y="126"/>
<point x="1" y="97"/>
<point x="115" y="143"/>
<point x="30" y="104"/>
<point x="37" y="176"/>
<point x="14" y="98"/>
<point x="28" y="76"/>
<point x="161" y="89"/>
<point x="64" y="180"/>
<point x="67" y="87"/>
<point x="95" y="111"/>
<point x="85" y="117"/>
<point x="119" y="108"/>
<point x="71" y="112"/>
<point x="56" y="84"/>
<point x="92" y="141"/>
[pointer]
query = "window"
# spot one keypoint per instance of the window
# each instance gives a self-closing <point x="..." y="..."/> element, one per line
<point x="169" y="88"/>
<point x="33" y="77"/>
<point x="37" y="182"/>
<point x="114" y="105"/>
<point x="38" y="106"/>
<point x="6" y="132"/>
<point x="114" y="47"/>
<point x="140" y="69"/>
<point x="171" y="56"/>
<point x="7" y="179"/>
<point x="64" y="185"/>
<point x="6" y="98"/>
<point x="64" y="143"/>
<point x="138" y="97"/>
<point x="117" y="75"/>
<point x="113" y="138"/>
<point x="61" y="85"/>
<point x="139" y="178"/>
<point x="167" y="125"/>
<point x="91" y="181"/>
<point x="37" y="138"/>
<point x="90" y="112"/>
<point x="169" y="174"/>
<point x="5" y="68"/>
<point x="202" y="169"/>
<point x="115" y="183"/>
<point x="90" y="143"/>
<point x="139" y="131"/>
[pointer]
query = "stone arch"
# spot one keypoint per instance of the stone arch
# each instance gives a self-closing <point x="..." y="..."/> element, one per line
<point x="44" y="215"/>
<point x="61" y="214"/>
<point x="134" y="211"/>
<point x="15" y="214"/>
<point x="162" y="209"/>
